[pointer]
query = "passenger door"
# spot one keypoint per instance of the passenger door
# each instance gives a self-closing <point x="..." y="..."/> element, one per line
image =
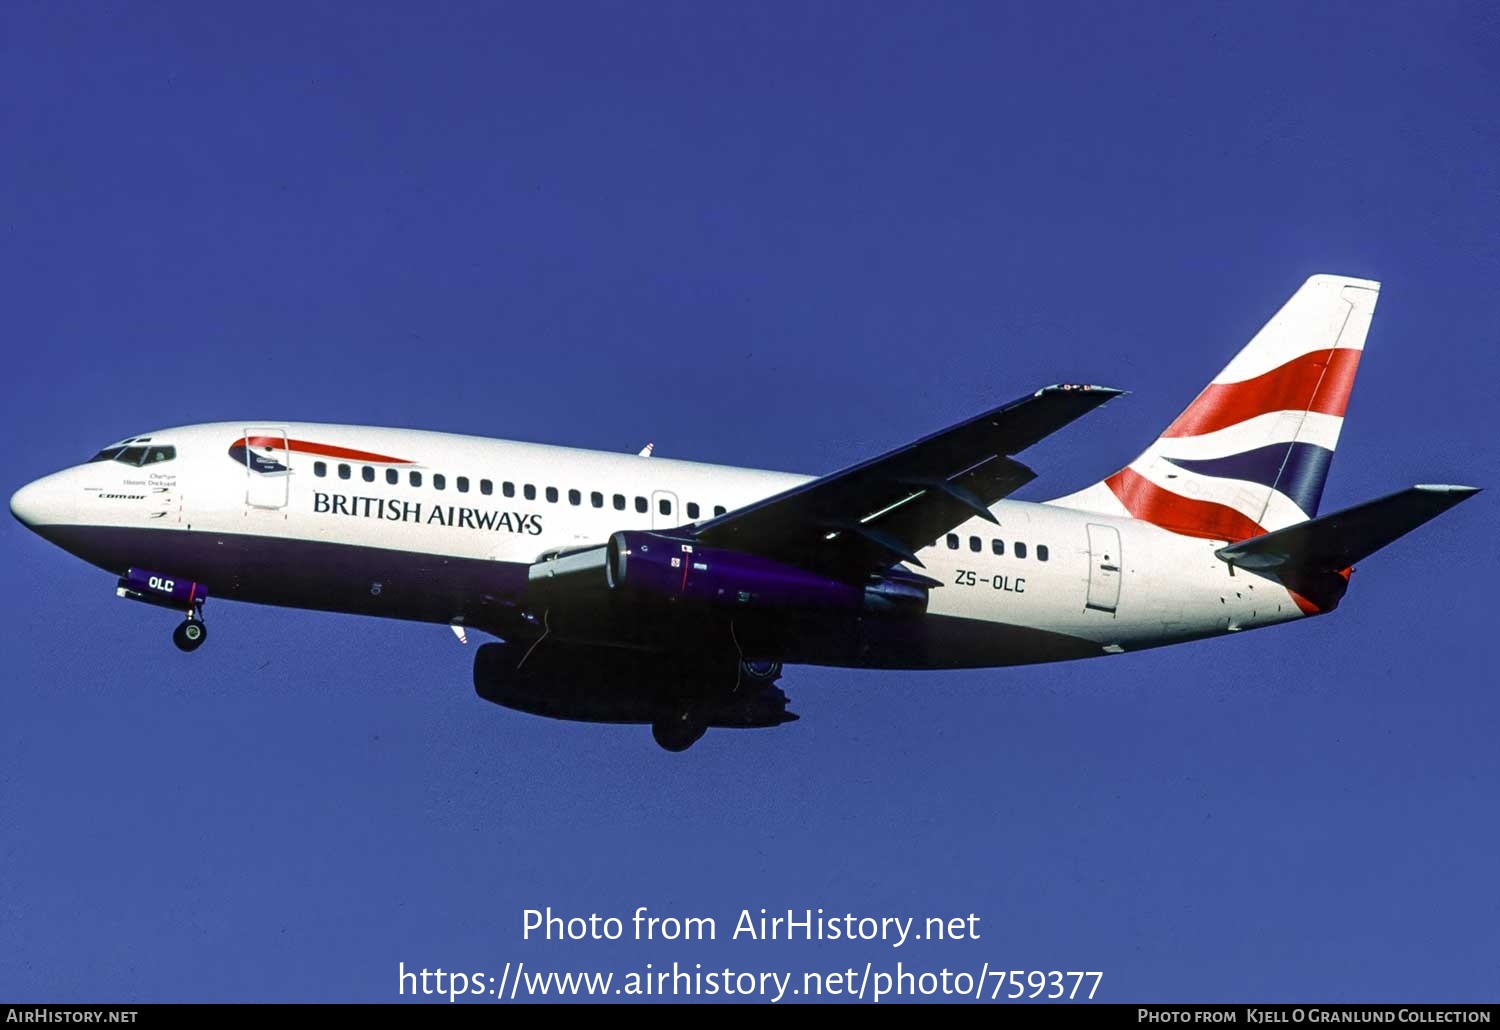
<point x="1104" y="568"/>
<point x="268" y="468"/>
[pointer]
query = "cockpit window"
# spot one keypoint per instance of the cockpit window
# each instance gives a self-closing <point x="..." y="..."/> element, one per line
<point x="136" y="456"/>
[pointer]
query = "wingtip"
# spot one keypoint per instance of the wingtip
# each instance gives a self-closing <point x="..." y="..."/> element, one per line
<point x="1106" y="392"/>
<point x="1343" y="280"/>
<point x="1449" y="488"/>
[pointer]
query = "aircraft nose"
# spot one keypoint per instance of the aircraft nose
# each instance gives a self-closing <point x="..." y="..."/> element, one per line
<point x="36" y="503"/>
<point x="26" y="504"/>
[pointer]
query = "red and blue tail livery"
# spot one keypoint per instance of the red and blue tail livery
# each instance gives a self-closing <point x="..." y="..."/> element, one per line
<point x="1251" y="453"/>
<point x="627" y="588"/>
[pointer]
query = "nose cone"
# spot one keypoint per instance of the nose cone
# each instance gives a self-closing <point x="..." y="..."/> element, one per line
<point x="26" y="504"/>
<point x="39" y="503"/>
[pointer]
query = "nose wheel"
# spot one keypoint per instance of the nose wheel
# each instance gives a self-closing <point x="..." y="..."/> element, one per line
<point x="190" y="634"/>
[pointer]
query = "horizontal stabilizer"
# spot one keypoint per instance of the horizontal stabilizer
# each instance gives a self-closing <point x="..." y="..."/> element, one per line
<point x="1334" y="542"/>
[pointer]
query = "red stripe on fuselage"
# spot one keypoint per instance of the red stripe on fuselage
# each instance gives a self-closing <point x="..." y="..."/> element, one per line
<point x="321" y="449"/>
<point x="1150" y="503"/>
<point x="1319" y="381"/>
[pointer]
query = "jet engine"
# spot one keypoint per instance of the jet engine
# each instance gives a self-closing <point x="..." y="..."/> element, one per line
<point x="672" y="569"/>
<point x="679" y="698"/>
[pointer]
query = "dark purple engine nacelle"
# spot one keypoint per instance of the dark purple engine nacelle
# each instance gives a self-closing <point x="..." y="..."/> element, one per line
<point x="669" y="568"/>
<point x="166" y="591"/>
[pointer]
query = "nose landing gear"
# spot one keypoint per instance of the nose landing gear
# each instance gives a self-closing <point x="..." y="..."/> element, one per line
<point x="190" y="633"/>
<point x="170" y="592"/>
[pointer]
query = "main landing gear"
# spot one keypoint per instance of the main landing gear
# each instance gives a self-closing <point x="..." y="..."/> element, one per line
<point x="190" y="633"/>
<point x="684" y="720"/>
<point x="679" y="729"/>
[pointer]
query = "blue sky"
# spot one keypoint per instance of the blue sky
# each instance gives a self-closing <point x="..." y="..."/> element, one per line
<point x="788" y="236"/>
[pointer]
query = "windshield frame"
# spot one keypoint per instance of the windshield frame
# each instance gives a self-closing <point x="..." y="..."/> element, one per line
<point x="136" y="453"/>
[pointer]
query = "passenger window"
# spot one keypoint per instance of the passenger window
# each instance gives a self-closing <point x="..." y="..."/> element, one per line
<point x="508" y="489"/>
<point x="392" y="476"/>
<point x="1020" y="549"/>
<point x="486" y="487"/>
<point x="975" y="544"/>
<point x="439" y="481"/>
<point x="344" y="472"/>
<point x="641" y="505"/>
<point x="692" y="509"/>
<point x="596" y="499"/>
<point x="664" y="506"/>
<point x="320" y="469"/>
<point x="415" y="478"/>
<point x="462" y="482"/>
<point x="574" y="497"/>
<point x="1041" y="552"/>
<point x="367" y="474"/>
<point x="998" y="546"/>
<point x="952" y="541"/>
<point x="719" y="509"/>
<point x="619" y="501"/>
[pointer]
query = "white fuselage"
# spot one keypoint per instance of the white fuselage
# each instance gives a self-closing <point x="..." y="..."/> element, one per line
<point x="442" y="501"/>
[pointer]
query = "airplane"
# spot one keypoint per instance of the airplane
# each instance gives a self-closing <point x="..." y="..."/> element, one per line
<point x="626" y="588"/>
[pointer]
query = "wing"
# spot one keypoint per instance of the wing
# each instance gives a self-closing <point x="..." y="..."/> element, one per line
<point x="884" y="510"/>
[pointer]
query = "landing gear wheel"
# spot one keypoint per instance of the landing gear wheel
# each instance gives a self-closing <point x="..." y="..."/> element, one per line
<point x="678" y="730"/>
<point x="190" y="635"/>
<point x="762" y="671"/>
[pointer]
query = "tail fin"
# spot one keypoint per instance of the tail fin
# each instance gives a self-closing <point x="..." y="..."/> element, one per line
<point x="1250" y="454"/>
